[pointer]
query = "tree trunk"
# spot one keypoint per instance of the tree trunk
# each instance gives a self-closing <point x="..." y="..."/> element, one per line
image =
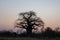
<point x="29" y="30"/>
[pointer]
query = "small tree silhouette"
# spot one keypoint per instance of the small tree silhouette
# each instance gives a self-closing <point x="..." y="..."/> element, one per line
<point x="29" y="21"/>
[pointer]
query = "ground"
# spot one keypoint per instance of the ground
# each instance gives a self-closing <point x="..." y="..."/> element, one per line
<point x="28" y="38"/>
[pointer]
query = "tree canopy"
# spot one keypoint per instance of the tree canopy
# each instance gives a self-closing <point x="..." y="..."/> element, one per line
<point x="29" y="21"/>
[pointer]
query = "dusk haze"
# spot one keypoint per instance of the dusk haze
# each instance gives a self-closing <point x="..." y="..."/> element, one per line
<point x="47" y="10"/>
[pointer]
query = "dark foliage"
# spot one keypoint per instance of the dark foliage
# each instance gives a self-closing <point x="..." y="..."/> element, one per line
<point x="47" y="33"/>
<point x="7" y="34"/>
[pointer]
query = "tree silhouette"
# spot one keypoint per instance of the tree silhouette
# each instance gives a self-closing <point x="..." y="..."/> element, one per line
<point x="29" y="21"/>
<point x="48" y="29"/>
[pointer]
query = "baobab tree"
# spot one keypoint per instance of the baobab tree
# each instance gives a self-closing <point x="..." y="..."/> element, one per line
<point x="29" y="21"/>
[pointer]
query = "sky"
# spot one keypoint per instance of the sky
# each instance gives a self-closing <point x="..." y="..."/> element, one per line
<point x="47" y="10"/>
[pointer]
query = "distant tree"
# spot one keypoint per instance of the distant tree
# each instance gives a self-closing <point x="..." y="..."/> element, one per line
<point x="48" y="29"/>
<point x="29" y="21"/>
<point x="57" y="29"/>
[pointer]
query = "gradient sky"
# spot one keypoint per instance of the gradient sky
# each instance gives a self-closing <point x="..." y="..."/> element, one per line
<point x="48" y="10"/>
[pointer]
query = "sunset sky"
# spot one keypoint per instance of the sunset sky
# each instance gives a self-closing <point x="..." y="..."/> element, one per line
<point x="47" y="10"/>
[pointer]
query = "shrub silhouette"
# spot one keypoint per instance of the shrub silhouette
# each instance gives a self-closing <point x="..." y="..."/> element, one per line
<point x="47" y="33"/>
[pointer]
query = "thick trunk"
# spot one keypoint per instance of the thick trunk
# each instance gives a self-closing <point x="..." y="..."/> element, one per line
<point x="29" y="30"/>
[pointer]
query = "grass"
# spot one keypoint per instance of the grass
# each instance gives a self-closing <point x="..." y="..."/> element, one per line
<point x="27" y="38"/>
